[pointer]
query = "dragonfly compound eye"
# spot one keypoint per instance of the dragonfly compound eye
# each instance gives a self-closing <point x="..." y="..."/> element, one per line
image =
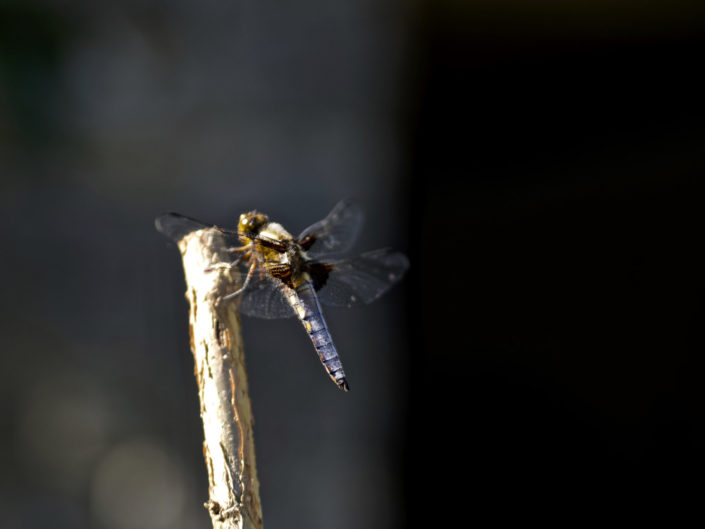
<point x="252" y="221"/>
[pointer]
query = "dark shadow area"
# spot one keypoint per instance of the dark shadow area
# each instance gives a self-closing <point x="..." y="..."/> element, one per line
<point x="556" y="304"/>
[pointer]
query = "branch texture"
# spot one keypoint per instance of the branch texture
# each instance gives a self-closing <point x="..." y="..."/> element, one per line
<point x="216" y="343"/>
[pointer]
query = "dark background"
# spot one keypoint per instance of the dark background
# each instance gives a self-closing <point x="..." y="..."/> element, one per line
<point x="539" y="163"/>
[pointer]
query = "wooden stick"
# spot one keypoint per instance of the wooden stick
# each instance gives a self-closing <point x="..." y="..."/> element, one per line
<point x="217" y="347"/>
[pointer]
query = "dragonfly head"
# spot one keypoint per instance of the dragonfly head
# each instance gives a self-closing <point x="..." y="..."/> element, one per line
<point x="251" y="223"/>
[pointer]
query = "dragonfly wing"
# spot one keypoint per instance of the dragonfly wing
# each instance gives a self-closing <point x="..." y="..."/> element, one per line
<point x="360" y="280"/>
<point x="176" y="226"/>
<point x="265" y="298"/>
<point x="336" y="233"/>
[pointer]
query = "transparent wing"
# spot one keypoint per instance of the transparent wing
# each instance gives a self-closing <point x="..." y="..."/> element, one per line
<point x="265" y="298"/>
<point x="336" y="233"/>
<point x="176" y="226"/>
<point x="360" y="280"/>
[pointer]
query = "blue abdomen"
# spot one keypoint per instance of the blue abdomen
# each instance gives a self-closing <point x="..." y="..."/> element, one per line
<point x="309" y="311"/>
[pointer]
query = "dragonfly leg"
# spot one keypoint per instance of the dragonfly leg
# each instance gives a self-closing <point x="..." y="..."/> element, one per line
<point x="238" y="249"/>
<point x="244" y="285"/>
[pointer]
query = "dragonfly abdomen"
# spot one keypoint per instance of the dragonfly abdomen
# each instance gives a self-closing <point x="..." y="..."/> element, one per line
<point x="310" y="314"/>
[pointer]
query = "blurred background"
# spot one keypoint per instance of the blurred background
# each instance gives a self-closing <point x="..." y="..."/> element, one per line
<point x="540" y="163"/>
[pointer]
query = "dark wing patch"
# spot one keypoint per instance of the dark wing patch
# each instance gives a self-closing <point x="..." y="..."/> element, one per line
<point x="335" y="234"/>
<point x="319" y="273"/>
<point x="272" y="244"/>
<point x="360" y="280"/>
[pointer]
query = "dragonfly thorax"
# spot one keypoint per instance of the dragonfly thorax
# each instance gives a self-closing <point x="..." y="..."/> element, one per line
<point x="275" y="231"/>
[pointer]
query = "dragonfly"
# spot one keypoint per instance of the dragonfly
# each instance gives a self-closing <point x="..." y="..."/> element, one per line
<point x="287" y="276"/>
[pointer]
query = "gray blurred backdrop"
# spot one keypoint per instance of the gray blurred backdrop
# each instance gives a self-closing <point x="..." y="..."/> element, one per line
<point x="112" y="113"/>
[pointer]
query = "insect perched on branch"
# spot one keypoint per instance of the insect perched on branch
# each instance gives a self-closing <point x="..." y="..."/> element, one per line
<point x="287" y="276"/>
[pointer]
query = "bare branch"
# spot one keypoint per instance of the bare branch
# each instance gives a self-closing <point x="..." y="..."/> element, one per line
<point x="216" y="343"/>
